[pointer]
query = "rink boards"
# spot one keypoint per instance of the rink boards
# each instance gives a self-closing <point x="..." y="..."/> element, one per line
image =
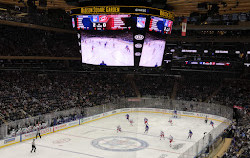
<point x="49" y="130"/>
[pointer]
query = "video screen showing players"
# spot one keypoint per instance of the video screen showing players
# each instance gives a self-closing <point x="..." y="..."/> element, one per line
<point x="103" y="22"/>
<point x="152" y="51"/>
<point x="110" y="48"/>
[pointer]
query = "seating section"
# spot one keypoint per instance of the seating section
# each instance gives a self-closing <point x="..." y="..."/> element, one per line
<point x="154" y="85"/>
<point x="233" y="92"/>
<point x="18" y="41"/>
<point x="25" y="94"/>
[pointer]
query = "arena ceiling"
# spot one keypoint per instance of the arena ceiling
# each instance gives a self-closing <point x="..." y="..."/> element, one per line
<point x="180" y="7"/>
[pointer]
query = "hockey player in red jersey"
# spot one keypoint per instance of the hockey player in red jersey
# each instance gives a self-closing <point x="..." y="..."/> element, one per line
<point x="131" y="122"/>
<point x="170" y="140"/>
<point x="119" y="129"/>
<point x="162" y="135"/>
<point x="171" y="122"/>
<point x="145" y="121"/>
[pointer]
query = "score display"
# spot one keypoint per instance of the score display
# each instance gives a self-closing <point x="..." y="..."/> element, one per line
<point x="160" y="25"/>
<point x="103" y="22"/>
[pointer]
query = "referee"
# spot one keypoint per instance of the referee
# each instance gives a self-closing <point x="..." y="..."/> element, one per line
<point x="33" y="146"/>
<point x="38" y="132"/>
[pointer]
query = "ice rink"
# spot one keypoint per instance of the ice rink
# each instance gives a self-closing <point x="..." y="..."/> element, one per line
<point x="99" y="139"/>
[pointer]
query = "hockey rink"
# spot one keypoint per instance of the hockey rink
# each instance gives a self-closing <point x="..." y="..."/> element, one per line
<point x="99" y="139"/>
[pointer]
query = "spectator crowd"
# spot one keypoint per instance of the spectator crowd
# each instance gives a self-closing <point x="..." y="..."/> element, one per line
<point x="24" y="94"/>
<point x="18" y="41"/>
<point x="240" y="133"/>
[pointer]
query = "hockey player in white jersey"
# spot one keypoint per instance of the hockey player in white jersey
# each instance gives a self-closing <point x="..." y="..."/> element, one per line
<point x="170" y="140"/>
<point x="162" y="135"/>
<point x="171" y="122"/>
<point x="131" y="122"/>
<point x="119" y="129"/>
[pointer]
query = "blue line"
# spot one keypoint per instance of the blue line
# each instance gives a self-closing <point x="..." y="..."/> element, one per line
<point x="70" y="151"/>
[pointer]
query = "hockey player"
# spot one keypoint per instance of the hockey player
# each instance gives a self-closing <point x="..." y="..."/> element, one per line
<point x="127" y="48"/>
<point x="154" y="51"/>
<point x="103" y="64"/>
<point x="206" y="119"/>
<point x="127" y="117"/>
<point x="162" y="135"/>
<point x="212" y="123"/>
<point x="146" y="129"/>
<point x="33" y="146"/>
<point x="171" y="122"/>
<point x="92" y="48"/>
<point x="190" y="133"/>
<point x="38" y="131"/>
<point x="119" y="129"/>
<point x="145" y="121"/>
<point x="170" y="140"/>
<point x="131" y="122"/>
<point x="175" y="113"/>
<point x="204" y="134"/>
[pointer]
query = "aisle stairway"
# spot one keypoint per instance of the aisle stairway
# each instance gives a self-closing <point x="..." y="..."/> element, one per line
<point x="221" y="149"/>
<point x="215" y="92"/>
<point x="132" y="82"/>
<point x="175" y="89"/>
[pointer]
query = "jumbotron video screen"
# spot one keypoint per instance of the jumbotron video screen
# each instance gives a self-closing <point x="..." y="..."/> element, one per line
<point x="122" y="39"/>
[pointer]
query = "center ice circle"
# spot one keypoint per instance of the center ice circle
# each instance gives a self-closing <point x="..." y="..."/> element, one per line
<point x="119" y="143"/>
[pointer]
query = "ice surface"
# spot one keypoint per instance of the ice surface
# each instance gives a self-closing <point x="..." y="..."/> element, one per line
<point x="83" y="141"/>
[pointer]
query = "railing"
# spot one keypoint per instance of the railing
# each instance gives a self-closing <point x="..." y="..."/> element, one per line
<point x="149" y="102"/>
<point x="48" y="118"/>
<point x="199" y="147"/>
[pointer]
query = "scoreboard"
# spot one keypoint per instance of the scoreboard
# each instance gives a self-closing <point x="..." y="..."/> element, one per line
<point x="121" y="22"/>
<point x="102" y="22"/>
<point x="122" y="35"/>
<point x="160" y="25"/>
<point x="135" y="10"/>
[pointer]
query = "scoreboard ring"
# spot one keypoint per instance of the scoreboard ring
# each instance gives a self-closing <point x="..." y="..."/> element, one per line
<point x="123" y="10"/>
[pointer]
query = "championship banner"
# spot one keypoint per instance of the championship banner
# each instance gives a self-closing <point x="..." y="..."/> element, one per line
<point x="184" y="27"/>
